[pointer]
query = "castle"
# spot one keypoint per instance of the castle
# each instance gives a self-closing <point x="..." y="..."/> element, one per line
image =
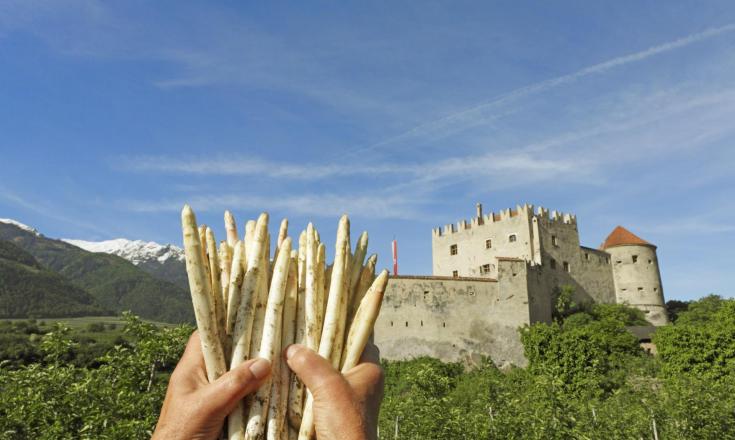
<point x="499" y="271"/>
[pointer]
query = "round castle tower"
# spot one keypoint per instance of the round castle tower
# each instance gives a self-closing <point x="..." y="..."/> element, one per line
<point x="636" y="274"/>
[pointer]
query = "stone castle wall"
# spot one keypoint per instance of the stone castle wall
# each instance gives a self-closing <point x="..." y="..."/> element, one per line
<point x="456" y="319"/>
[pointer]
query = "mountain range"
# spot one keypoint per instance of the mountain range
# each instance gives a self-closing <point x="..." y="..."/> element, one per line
<point x="164" y="261"/>
<point x="145" y="278"/>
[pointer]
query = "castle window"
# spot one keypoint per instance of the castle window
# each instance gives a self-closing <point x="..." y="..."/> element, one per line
<point x="453" y="249"/>
<point x="635" y="258"/>
<point x="587" y="256"/>
<point x="552" y="263"/>
<point x="485" y="269"/>
<point x="640" y="289"/>
<point x="650" y="261"/>
<point x="391" y="323"/>
<point x="422" y="323"/>
<point x="655" y="289"/>
<point x="488" y="243"/>
<point x="567" y="268"/>
<point x="406" y="323"/>
<point x="624" y="289"/>
<point x="618" y="261"/>
<point x="554" y="240"/>
<point x="512" y="238"/>
<point x="455" y="273"/>
<point x="444" y="324"/>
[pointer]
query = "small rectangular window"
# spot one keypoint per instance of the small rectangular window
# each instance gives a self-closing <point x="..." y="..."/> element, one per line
<point x="650" y="261"/>
<point x="512" y="238"/>
<point x="587" y="256"/>
<point x="655" y="289"/>
<point x="455" y="273"/>
<point x="554" y="240"/>
<point x="453" y="249"/>
<point x="552" y="263"/>
<point x="635" y="258"/>
<point x="640" y="289"/>
<point x="618" y="261"/>
<point x="567" y="268"/>
<point x="485" y="268"/>
<point x="488" y="243"/>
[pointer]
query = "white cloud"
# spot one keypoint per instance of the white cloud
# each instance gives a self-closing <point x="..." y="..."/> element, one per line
<point x="319" y="205"/>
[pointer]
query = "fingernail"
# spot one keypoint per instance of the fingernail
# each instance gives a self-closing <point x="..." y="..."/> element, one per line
<point x="291" y="350"/>
<point x="260" y="368"/>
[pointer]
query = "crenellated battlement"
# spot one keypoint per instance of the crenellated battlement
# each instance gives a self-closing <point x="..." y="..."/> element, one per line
<point x="526" y="211"/>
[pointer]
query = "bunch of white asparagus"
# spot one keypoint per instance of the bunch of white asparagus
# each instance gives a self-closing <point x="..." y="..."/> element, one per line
<point x="248" y="305"/>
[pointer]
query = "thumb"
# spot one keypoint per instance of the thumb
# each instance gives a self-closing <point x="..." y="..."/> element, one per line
<point x="224" y="393"/>
<point x="316" y="372"/>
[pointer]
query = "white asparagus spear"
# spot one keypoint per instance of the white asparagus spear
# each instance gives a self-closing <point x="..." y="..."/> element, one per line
<point x="237" y="273"/>
<point x="225" y="264"/>
<point x="366" y="280"/>
<point x="335" y="305"/>
<point x="364" y="322"/>
<point x="357" y="260"/>
<point x="214" y="359"/>
<point x="320" y="287"/>
<point x="296" y="393"/>
<point x="311" y="319"/>
<point x="277" y="425"/>
<point x="231" y="228"/>
<point x="216" y="289"/>
<point x="282" y="232"/>
<point x="339" y="338"/>
<point x="203" y="240"/>
<point x="270" y="345"/>
<point x="249" y="237"/>
<point x="245" y="317"/>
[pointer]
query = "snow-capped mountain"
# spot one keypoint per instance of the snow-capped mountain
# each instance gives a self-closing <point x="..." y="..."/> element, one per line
<point x="22" y="226"/>
<point x="135" y="251"/>
<point x="164" y="261"/>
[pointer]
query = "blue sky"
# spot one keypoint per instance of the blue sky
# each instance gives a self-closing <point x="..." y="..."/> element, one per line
<point x="114" y="114"/>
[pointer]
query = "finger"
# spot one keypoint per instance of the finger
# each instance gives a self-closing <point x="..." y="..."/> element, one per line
<point x="192" y="361"/>
<point x="224" y="393"/>
<point x="315" y="372"/>
<point x="365" y="379"/>
<point x="371" y="354"/>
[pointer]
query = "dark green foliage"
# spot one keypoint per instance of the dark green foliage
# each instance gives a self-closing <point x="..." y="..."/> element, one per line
<point x="119" y="399"/>
<point x="701" y="342"/>
<point x="115" y="283"/>
<point x="587" y="352"/>
<point x="587" y="379"/>
<point x="701" y="311"/>
<point x="28" y="289"/>
<point x="21" y="343"/>
<point x="674" y="307"/>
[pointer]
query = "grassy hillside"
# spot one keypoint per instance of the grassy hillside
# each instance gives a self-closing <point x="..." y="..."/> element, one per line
<point x="27" y="289"/>
<point x="114" y="282"/>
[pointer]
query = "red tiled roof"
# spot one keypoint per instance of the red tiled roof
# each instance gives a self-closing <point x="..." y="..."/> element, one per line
<point x="621" y="236"/>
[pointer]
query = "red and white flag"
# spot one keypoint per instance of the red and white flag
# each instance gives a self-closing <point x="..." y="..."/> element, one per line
<point x="394" y="246"/>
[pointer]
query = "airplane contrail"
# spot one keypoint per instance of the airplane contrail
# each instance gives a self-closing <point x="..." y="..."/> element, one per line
<point x="472" y="114"/>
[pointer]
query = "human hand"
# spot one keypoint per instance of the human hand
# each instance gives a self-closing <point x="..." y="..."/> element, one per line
<point x="345" y="406"/>
<point x="195" y="408"/>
